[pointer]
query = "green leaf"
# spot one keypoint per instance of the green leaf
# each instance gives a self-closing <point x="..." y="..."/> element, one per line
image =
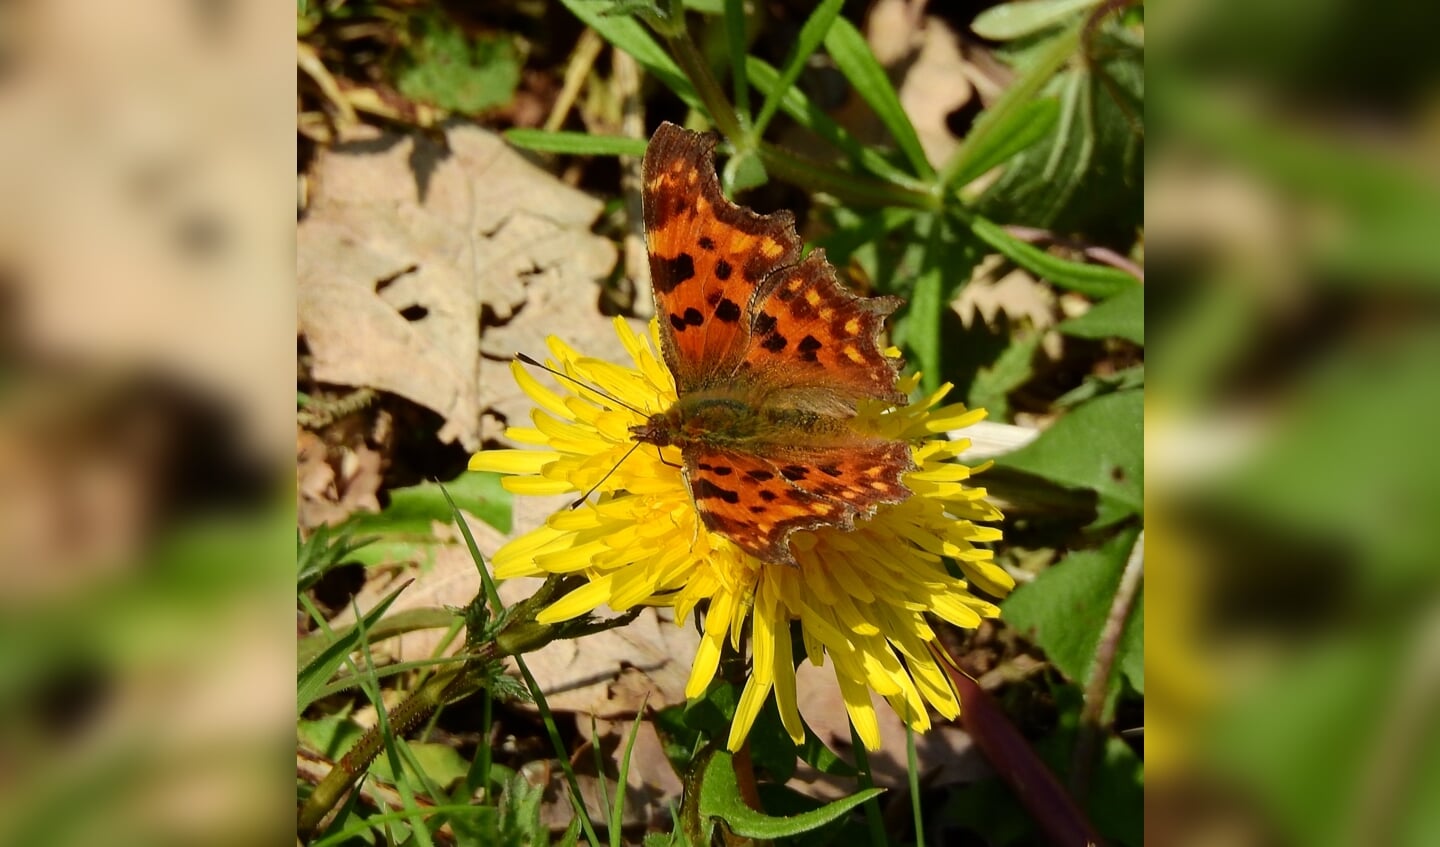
<point x="735" y="44"/>
<point x="406" y="526"/>
<point x="803" y="111"/>
<point x="1129" y="379"/>
<point x="814" y="30"/>
<point x="317" y="672"/>
<point x="1303" y="737"/>
<point x="1064" y="609"/>
<point x="330" y="735"/>
<point x="455" y="73"/>
<point x="520" y="812"/>
<point x="440" y="763"/>
<point x="1122" y="316"/>
<point x="1092" y="280"/>
<point x="1027" y="125"/>
<point x="853" y="57"/>
<point x="1099" y="446"/>
<point x="1025" y="17"/>
<point x="575" y="143"/>
<point x="744" y="170"/>
<point x="1087" y="176"/>
<point x="1013" y="368"/>
<point x="922" y="324"/>
<point x="720" y="800"/>
<point x="627" y="34"/>
<point x="815" y="754"/>
<point x="324" y="549"/>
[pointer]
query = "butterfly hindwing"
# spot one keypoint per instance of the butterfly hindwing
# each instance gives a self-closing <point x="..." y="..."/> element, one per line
<point x="757" y="502"/>
<point x="811" y="335"/>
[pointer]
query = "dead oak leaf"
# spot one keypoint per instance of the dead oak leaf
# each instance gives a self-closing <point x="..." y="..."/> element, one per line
<point x="407" y="239"/>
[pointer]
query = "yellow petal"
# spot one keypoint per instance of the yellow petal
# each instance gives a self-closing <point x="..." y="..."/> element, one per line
<point x="578" y="602"/>
<point x="751" y="701"/>
<point x="512" y="461"/>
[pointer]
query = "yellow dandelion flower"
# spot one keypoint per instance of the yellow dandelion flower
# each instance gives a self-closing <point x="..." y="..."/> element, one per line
<point x="863" y="597"/>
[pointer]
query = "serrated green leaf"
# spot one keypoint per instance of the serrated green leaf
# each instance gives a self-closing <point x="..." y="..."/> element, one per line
<point x="1093" y="280"/>
<point x="1025" y="17"/>
<point x="575" y="143"/>
<point x="1098" y="445"/>
<point x="627" y="34"/>
<point x="520" y="812"/>
<point x="1122" y="316"/>
<point x="853" y="57"/>
<point x="720" y="800"/>
<point x="1027" y="125"/>
<point x="1014" y="367"/>
<point x="1064" y="609"/>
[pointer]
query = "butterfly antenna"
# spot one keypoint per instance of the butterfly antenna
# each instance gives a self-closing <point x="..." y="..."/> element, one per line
<point x="534" y="364"/>
<point x="586" y="495"/>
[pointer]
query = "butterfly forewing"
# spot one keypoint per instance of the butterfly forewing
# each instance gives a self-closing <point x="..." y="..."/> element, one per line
<point x="707" y="257"/>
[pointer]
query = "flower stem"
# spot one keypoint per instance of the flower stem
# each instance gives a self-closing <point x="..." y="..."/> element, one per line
<point x="697" y="70"/>
<point x="1092" y="714"/>
<point x="852" y="190"/>
<point x="434" y="693"/>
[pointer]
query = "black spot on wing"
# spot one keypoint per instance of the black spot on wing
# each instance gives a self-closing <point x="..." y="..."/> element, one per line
<point x="668" y="274"/>
<point x="767" y="496"/>
<point x="760" y="475"/>
<point x="774" y="342"/>
<point x="830" y="470"/>
<point x="794" y="472"/>
<point x="693" y="316"/>
<point x="807" y="347"/>
<point x="728" y="311"/>
<point x="705" y="489"/>
<point x="723" y="270"/>
<point x="707" y="243"/>
<point x="764" y="324"/>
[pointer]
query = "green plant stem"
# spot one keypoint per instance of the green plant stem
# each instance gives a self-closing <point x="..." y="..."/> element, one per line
<point x="433" y="694"/>
<point x="851" y="190"/>
<point x="874" y="818"/>
<point x="1025" y="90"/>
<point x="695" y="68"/>
<point x="521" y="635"/>
<point x="1092" y="714"/>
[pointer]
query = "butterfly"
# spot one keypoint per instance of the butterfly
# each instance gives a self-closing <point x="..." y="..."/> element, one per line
<point x="770" y="356"/>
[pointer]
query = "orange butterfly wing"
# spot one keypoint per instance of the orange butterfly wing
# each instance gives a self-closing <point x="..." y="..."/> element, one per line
<point x="707" y="258"/>
<point x="771" y="357"/>
<point x="758" y="501"/>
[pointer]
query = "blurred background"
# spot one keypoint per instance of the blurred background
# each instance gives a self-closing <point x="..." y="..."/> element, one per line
<point x="146" y="306"/>
<point x="146" y="421"/>
<point x="1292" y="212"/>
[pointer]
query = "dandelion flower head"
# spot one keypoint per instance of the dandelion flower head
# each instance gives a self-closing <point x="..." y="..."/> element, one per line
<point x="864" y="598"/>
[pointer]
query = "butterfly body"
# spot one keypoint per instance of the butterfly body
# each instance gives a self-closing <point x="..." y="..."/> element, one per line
<point x="771" y="359"/>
